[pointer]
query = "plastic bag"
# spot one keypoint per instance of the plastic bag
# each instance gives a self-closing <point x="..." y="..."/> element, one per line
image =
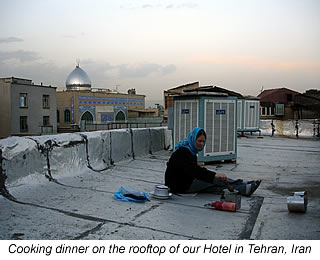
<point x="128" y="194"/>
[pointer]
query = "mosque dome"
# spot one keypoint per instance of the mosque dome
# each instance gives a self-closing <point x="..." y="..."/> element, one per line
<point x="78" y="80"/>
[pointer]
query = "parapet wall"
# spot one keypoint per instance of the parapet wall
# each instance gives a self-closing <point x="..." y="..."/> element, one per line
<point x="53" y="155"/>
<point x="306" y="128"/>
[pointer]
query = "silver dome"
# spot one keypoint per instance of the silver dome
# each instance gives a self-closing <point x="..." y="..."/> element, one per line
<point x="78" y="80"/>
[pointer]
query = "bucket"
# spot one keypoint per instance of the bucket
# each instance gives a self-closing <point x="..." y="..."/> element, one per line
<point x="297" y="202"/>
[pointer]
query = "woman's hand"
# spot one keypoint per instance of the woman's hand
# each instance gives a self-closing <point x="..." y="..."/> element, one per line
<point x="222" y="176"/>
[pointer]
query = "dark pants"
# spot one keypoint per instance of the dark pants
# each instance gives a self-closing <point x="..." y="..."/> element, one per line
<point x="218" y="186"/>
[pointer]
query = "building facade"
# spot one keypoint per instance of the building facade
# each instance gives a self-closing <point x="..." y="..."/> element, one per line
<point x="79" y="102"/>
<point x="74" y="106"/>
<point x="277" y="103"/>
<point x="26" y="108"/>
<point x="306" y="106"/>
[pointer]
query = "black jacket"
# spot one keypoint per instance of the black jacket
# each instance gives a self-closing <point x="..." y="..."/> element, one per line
<point x="182" y="169"/>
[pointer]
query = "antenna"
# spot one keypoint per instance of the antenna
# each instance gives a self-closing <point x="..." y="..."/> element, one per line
<point x="261" y="89"/>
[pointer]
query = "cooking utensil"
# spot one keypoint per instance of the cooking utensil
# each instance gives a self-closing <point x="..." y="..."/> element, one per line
<point x="231" y="196"/>
<point x="298" y="202"/>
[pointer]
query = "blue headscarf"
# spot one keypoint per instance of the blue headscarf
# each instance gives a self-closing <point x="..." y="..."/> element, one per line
<point x="190" y="142"/>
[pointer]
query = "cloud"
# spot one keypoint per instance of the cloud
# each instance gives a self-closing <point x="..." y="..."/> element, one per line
<point x="101" y="74"/>
<point x="47" y="72"/>
<point x="188" y="5"/>
<point x="147" y="6"/>
<point x="20" y="55"/>
<point x="168" y="69"/>
<point x="99" y="70"/>
<point x="144" y="70"/>
<point x="72" y="36"/>
<point x="183" y="5"/>
<point x="69" y="36"/>
<point x="168" y="6"/>
<point x="10" y="39"/>
<point x="260" y="63"/>
<point x="135" y="7"/>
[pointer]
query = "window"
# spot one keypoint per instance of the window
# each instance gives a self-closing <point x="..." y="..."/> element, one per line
<point x="46" y="121"/>
<point x="45" y="101"/>
<point x="272" y="111"/>
<point x="264" y="111"/>
<point x="280" y="109"/>
<point x="267" y="111"/>
<point x="58" y="116"/>
<point x="23" y="100"/>
<point x="67" y="115"/>
<point x="23" y="124"/>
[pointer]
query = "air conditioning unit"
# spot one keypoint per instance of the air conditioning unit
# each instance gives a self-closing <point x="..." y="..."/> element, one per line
<point x="186" y="117"/>
<point x="248" y="115"/>
<point x="240" y="114"/>
<point x="217" y="114"/>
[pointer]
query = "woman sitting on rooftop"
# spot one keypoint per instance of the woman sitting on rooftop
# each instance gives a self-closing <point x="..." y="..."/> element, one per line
<point x="184" y="175"/>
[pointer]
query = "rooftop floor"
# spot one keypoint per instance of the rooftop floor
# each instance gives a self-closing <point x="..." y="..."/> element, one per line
<point x="81" y="205"/>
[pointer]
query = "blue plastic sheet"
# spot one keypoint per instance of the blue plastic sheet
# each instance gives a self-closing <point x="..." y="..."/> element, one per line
<point x="128" y="194"/>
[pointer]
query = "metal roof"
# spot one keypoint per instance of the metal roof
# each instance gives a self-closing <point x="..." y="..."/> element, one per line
<point x="78" y="79"/>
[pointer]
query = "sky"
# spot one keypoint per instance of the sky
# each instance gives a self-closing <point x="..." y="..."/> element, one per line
<point x="155" y="45"/>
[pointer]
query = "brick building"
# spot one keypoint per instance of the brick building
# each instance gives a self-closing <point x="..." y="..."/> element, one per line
<point x="277" y="103"/>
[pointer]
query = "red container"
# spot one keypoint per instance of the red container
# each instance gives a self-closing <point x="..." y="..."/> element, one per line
<point x="222" y="205"/>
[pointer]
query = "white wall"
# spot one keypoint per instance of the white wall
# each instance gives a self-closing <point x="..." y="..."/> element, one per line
<point x="287" y="127"/>
<point x="53" y="155"/>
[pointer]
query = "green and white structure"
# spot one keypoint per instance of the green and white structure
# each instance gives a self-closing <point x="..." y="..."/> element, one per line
<point x="217" y="114"/>
<point x="248" y="115"/>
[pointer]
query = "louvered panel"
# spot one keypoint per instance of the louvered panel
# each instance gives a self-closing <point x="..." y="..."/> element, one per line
<point x="185" y="118"/>
<point x="177" y="108"/>
<point x="220" y="126"/>
<point x="194" y="114"/>
<point x="218" y="116"/>
<point x="188" y="126"/>
<point x="252" y="109"/>
<point x="209" y="127"/>
<point x="239" y="114"/>
<point x="216" y="128"/>
<point x="182" y="123"/>
<point x="231" y="127"/>
<point x="224" y="127"/>
<point x="247" y="115"/>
